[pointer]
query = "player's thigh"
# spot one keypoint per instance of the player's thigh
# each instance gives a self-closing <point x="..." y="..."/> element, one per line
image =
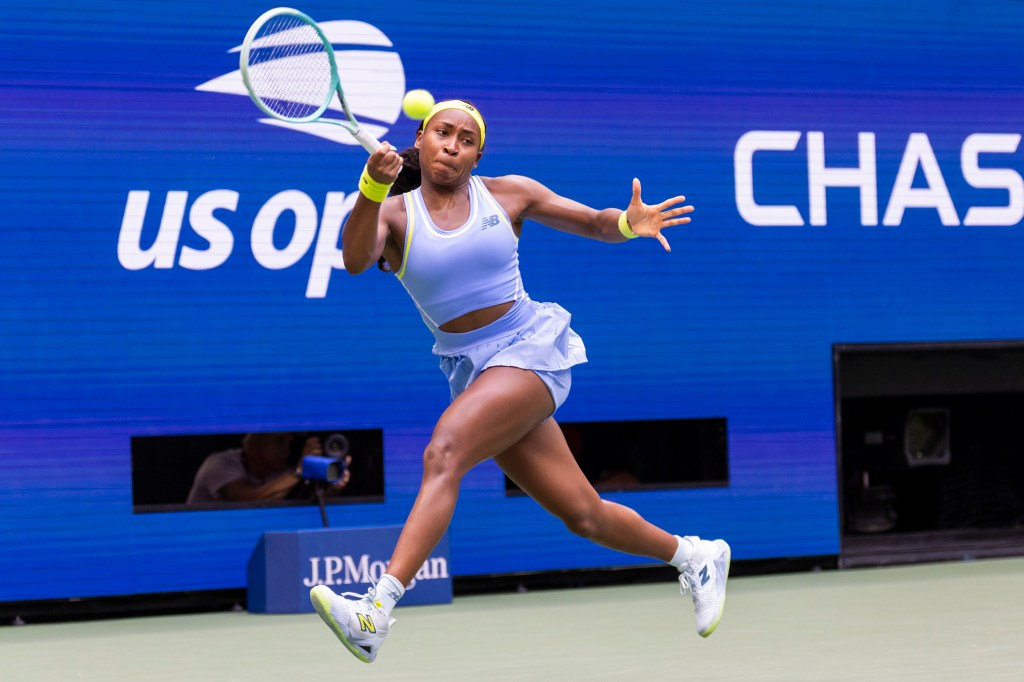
<point x="501" y="406"/>
<point x="543" y="466"/>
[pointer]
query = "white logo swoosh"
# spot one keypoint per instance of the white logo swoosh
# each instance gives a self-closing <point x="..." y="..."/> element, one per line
<point x="373" y="80"/>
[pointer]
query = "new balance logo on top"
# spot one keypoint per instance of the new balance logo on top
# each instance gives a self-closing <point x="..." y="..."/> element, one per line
<point x="490" y="221"/>
<point x="704" y="575"/>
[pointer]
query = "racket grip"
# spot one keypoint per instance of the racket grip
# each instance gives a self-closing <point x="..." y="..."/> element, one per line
<point x="369" y="142"/>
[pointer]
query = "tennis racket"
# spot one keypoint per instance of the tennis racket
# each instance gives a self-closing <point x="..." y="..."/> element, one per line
<point x="288" y="67"/>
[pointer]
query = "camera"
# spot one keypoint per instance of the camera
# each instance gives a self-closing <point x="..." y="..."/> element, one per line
<point x="336" y="445"/>
<point x="330" y="467"/>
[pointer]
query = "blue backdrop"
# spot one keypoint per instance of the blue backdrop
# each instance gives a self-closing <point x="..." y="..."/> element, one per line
<point x="149" y="289"/>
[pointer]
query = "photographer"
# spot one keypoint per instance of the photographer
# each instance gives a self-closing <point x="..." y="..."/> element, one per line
<point x="259" y="470"/>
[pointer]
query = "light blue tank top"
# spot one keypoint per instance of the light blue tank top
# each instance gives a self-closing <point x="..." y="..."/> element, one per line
<point x="450" y="273"/>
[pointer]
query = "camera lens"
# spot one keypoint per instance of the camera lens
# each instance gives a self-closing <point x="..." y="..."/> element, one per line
<point x="336" y="445"/>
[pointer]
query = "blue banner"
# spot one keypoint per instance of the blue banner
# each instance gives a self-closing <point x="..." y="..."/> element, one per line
<point x="170" y="260"/>
<point x="285" y="566"/>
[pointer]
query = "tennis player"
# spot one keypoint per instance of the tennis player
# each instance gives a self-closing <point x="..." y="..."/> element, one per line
<point x="452" y="243"/>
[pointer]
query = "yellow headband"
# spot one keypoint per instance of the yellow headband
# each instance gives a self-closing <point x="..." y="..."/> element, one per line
<point x="461" y="106"/>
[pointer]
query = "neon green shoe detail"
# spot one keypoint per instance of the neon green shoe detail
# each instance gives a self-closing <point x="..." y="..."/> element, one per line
<point x="359" y="623"/>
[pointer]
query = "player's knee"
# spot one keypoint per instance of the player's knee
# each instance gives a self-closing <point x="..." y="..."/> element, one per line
<point x="440" y="458"/>
<point x="584" y="521"/>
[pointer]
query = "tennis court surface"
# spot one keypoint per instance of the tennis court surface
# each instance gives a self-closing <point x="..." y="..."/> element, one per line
<point x="949" y="621"/>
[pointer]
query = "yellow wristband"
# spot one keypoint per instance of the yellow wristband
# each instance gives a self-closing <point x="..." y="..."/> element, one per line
<point x="371" y="189"/>
<point x="625" y="228"/>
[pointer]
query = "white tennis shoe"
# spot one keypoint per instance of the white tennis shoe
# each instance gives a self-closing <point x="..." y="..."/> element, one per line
<point x="705" y="575"/>
<point x="359" y="623"/>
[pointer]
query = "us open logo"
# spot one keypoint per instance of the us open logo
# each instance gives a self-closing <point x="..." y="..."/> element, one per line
<point x="372" y="76"/>
<point x="374" y="81"/>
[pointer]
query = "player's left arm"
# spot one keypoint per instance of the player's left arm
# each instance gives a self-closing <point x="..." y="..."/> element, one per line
<point x="537" y="202"/>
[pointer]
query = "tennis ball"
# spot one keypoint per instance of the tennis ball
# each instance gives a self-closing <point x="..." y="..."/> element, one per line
<point x="417" y="104"/>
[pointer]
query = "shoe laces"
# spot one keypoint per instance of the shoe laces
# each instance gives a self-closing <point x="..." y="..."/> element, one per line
<point x="686" y="583"/>
<point x="354" y="595"/>
<point x="370" y="595"/>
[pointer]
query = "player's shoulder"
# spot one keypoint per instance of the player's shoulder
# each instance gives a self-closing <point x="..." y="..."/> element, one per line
<point x="511" y="183"/>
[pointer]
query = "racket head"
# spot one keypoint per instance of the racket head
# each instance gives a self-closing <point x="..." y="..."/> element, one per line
<point x="288" y="66"/>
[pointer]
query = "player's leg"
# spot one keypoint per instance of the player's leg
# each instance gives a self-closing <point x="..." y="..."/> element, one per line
<point x="500" y="407"/>
<point x="542" y="465"/>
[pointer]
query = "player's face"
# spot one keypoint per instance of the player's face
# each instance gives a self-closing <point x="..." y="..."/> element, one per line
<point x="449" y="147"/>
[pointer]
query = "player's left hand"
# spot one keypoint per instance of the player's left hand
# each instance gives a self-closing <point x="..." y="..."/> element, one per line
<point x="648" y="221"/>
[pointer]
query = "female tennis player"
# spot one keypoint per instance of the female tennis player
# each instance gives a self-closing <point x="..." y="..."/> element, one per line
<point x="452" y="243"/>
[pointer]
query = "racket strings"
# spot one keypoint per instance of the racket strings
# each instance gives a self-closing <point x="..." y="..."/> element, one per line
<point x="290" y="69"/>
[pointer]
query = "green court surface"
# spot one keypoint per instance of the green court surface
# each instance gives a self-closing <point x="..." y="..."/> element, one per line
<point x="951" y="621"/>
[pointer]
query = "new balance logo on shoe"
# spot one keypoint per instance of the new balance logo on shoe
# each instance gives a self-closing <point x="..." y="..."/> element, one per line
<point x="357" y="620"/>
<point x="365" y="624"/>
<point x="707" y="586"/>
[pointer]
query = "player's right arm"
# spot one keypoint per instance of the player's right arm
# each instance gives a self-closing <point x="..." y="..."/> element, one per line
<point x="367" y="228"/>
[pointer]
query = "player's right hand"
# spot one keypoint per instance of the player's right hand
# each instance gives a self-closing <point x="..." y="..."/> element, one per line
<point x="385" y="164"/>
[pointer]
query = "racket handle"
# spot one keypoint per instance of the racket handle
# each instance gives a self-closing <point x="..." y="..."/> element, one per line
<point x="369" y="142"/>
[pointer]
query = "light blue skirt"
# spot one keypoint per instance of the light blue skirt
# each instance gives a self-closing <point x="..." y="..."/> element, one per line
<point x="531" y="335"/>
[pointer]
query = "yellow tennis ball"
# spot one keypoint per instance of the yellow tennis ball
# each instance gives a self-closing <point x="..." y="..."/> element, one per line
<point x="417" y="104"/>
